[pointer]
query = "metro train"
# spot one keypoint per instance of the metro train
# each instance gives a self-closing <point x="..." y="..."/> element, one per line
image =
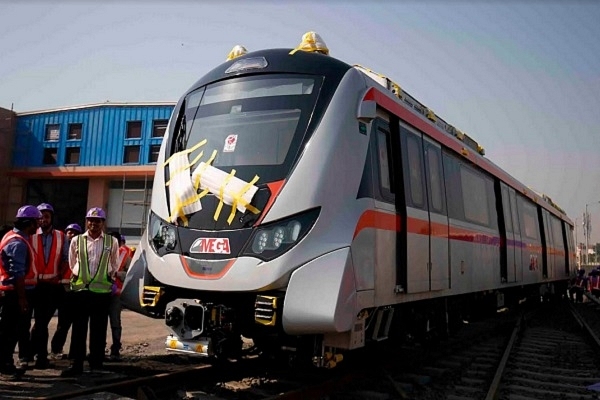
<point x="314" y="207"/>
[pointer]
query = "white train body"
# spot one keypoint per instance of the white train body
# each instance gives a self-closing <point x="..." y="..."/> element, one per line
<point x="377" y="202"/>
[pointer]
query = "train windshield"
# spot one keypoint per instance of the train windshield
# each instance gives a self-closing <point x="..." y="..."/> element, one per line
<point x="253" y="124"/>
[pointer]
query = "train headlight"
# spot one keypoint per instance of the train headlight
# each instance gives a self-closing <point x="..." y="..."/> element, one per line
<point x="162" y="236"/>
<point x="271" y="240"/>
<point x="279" y="235"/>
<point x="260" y="242"/>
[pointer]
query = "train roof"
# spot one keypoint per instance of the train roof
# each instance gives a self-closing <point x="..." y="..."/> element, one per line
<point x="311" y="56"/>
<point x="278" y="60"/>
<point x="459" y="141"/>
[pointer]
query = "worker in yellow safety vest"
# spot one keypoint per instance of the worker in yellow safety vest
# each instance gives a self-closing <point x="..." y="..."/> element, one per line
<point x="93" y="259"/>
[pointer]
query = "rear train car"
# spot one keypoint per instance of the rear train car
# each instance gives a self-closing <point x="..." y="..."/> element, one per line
<point x="314" y="206"/>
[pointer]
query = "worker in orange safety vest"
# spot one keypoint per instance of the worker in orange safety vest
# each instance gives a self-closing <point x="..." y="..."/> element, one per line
<point x="52" y="257"/>
<point x="17" y="270"/>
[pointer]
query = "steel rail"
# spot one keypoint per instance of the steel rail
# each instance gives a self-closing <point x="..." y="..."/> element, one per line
<point x="127" y="384"/>
<point x="493" y="390"/>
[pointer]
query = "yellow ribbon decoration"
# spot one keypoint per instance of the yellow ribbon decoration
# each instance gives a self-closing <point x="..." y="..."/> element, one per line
<point x="221" y="190"/>
<point x="179" y="205"/>
<point x="173" y="173"/>
<point x="179" y="212"/>
<point x="237" y="198"/>
<point x="202" y="168"/>
<point x="191" y="149"/>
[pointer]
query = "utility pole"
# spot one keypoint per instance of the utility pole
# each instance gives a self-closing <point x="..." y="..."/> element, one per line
<point x="586" y="233"/>
<point x="577" y="246"/>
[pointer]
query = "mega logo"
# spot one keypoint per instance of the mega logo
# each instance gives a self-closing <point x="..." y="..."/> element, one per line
<point x="211" y="246"/>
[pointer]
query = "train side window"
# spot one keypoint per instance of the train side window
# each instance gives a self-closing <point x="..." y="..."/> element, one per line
<point x="476" y="202"/>
<point x="529" y="220"/>
<point x="557" y="231"/>
<point x="434" y="168"/>
<point x="415" y="170"/>
<point x="453" y="187"/>
<point x="383" y="153"/>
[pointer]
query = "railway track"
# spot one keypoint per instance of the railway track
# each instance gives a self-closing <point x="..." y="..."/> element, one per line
<point x="547" y="355"/>
<point x="552" y="358"/>
<point x="543" y="354"/>
<point x="386" y="371"/>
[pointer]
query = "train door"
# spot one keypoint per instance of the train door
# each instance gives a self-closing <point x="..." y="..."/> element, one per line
<point x="560" y="248"/>
<point x="509" y="267"/>
<point x="389" y="250"/>
<point x="531" y="235"/>
<point x="439" y="257"/>
<point x="418" y="273"/>
<point x="518" y="242"/>
<point x="547" y="246"/>
<point x="567" y="232"/>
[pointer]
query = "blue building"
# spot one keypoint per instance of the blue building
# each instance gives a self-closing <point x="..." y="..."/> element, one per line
<point x="78" y="157"/>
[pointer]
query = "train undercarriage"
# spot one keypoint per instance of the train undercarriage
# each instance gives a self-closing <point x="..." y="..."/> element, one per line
<point x="227" y="328"/>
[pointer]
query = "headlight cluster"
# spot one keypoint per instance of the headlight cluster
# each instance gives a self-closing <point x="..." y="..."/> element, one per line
<point x="162" y="235"/>
<point x="271" y="240"/>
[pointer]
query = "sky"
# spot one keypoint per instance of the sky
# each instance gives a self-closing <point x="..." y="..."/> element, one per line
<point x="520" y="77"/>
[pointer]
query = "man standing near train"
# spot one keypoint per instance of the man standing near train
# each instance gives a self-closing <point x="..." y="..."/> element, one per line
<point x="93" y="259"/>
<point x="52" y="249"/>
<point x="115" y="308"/>
<point x="65" y="314"/>
<point x="17" y="267"/>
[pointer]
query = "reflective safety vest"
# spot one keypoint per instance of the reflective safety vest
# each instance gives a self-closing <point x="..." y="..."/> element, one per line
<point x="100" y="282"/>
<point x="48" y="271"/>
<point x="125" y="256"/>
<point x="30" y="275"/>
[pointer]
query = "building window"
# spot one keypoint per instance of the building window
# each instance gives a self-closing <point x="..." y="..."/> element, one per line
<point x="159" y="127"/>
<point x="75" y="131"/>
<point x="134" y="130"/>
<point x="132" y="155"/>
<point x="153" y="155"/>
<point x="72" y="155"/>
<point x="52" y="133"/>
<point x="50" y="156"/>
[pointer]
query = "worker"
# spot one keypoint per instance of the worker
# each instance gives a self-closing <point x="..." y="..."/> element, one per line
<point x="125" y="255"/>
<point x="65" y="313"/>
<point x="17" y="270"/>
<point x="93" y="259"/>
<point x="51" y="248"/>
